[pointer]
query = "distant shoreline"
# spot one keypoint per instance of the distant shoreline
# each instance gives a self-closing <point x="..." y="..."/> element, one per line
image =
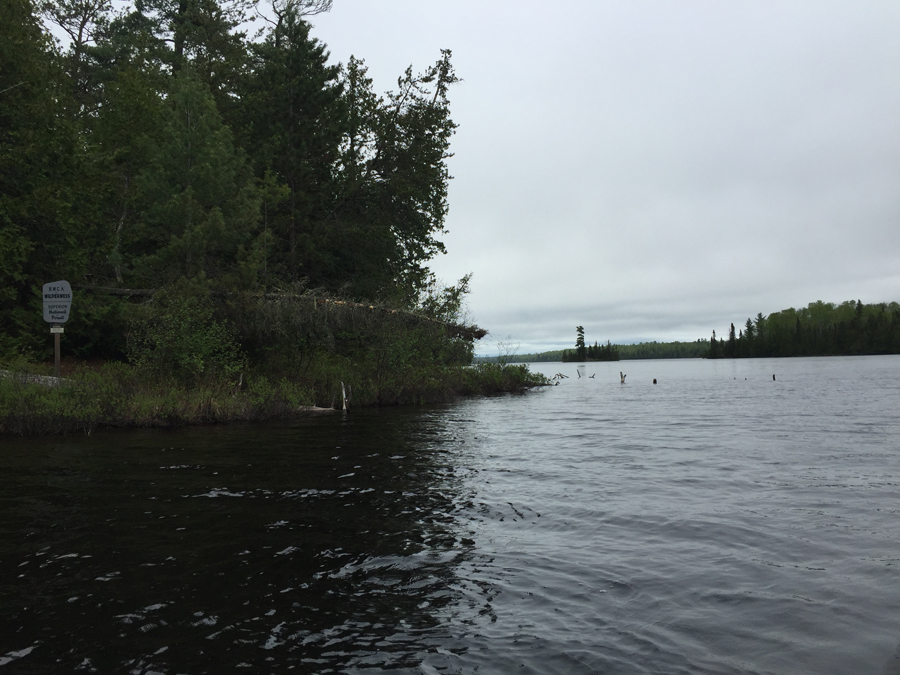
<point x="640" y="351"/>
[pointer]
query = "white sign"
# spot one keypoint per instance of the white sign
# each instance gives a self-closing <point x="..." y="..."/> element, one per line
<point x="57" y="301"/>
<point x="56" y="329"/>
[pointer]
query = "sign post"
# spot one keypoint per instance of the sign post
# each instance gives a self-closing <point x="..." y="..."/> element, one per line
<point x="57" y="303"/>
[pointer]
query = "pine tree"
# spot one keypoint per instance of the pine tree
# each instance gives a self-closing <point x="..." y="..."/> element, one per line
<point x="713" y="347"/>
<point x="201" y="207"/>
<point x="579" y="343"/>
<point x="37" y="151"/>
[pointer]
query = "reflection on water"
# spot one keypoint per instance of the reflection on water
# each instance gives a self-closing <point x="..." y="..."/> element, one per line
<point x="313" y="544"/>
<point x="717" y="522"/>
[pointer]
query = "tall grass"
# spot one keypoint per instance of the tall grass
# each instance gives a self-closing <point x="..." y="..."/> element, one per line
<point x="122" y="395"/>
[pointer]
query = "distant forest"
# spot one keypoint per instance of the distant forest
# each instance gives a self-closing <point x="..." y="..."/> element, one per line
<point x="595" y="352"/>
<point x="643" y="350"/>
<point x="821" y="329"/>
<point x="665" y="350"/>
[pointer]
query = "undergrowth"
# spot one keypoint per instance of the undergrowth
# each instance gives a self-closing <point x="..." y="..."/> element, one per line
<point x="124" y="395"/>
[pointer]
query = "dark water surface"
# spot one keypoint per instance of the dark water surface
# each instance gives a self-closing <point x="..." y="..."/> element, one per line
<point x="706" y="524"/>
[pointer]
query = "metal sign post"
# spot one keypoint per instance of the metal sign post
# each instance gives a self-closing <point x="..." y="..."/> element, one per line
<point x="57" y="303"/>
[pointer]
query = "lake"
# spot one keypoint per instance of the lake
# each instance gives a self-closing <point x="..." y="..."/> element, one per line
<point x="718" y="521"/>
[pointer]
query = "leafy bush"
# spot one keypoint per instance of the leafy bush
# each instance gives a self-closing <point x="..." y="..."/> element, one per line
<point x="177" y="334"/>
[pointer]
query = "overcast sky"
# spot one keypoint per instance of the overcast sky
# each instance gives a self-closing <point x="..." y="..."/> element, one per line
<point x="655" y="170"/>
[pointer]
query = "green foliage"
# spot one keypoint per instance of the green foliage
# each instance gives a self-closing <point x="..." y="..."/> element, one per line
<point x="664" y="350"/>
<point x="290" y="114"/>
<point x="714" y="351"/>
<point x="412" y="145"/>
<point x="820" y="329"/>
<point x="33" y="162"/>
<point x="595" y="352"/>
<point x="611" y="352"/>
<point x="445" y="303"/>
<point x="365" y="177"/>
<point x="580" y="351"/>
<point x="260" y="188"/>
<point x="125" y="395"/>
<point x="507" y="358"/>
<point x="177" y="334"/>
<point x="492" y="378"/>
<point x="149" y="114"/>
<point x="200" y="202"/>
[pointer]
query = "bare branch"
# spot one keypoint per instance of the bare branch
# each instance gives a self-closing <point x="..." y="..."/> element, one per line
<point x="313" y="7"/>
<point x="301" y="7"/>
<point x="78" y="18"/>
<point x="12" y="87"/>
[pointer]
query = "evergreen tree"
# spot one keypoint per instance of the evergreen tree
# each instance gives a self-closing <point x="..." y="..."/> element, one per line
<point x="292" y="118"/>
<point x="161" y="146"/>
<point x="820" y="329"/>
<point x="410" y="167"/>
<point x="38" y="231"/>
<point x="713" y="347"/>
<point x="201" y="207"/>
<point x="84" y="22"/>
<point x="126" y="132"/>
<point x="731" y="350"/>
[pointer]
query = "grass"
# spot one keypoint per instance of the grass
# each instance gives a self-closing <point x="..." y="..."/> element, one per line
<point x="121" y="395"/>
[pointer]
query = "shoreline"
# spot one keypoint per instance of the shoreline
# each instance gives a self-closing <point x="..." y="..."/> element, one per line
<point x="121" y="396"/>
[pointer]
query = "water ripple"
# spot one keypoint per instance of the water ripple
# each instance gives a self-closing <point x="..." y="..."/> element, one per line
<point x="718" y="522"/>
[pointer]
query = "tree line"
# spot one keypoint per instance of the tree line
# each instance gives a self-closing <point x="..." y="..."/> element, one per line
<point x="642" y="350"/>
<point x="821" y="329"/>
<point x="594" y="352"/>
<point x="164" y="147"/>
<point x="665" y="350"/>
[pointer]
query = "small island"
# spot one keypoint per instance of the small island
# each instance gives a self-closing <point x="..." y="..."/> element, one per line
<point x="594" y="352"/>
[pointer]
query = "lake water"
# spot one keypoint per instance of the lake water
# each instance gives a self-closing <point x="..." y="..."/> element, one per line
<point x="716" y="522"/>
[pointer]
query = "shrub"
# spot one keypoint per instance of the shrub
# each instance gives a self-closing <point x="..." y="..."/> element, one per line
<point x="177" y="334"/>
